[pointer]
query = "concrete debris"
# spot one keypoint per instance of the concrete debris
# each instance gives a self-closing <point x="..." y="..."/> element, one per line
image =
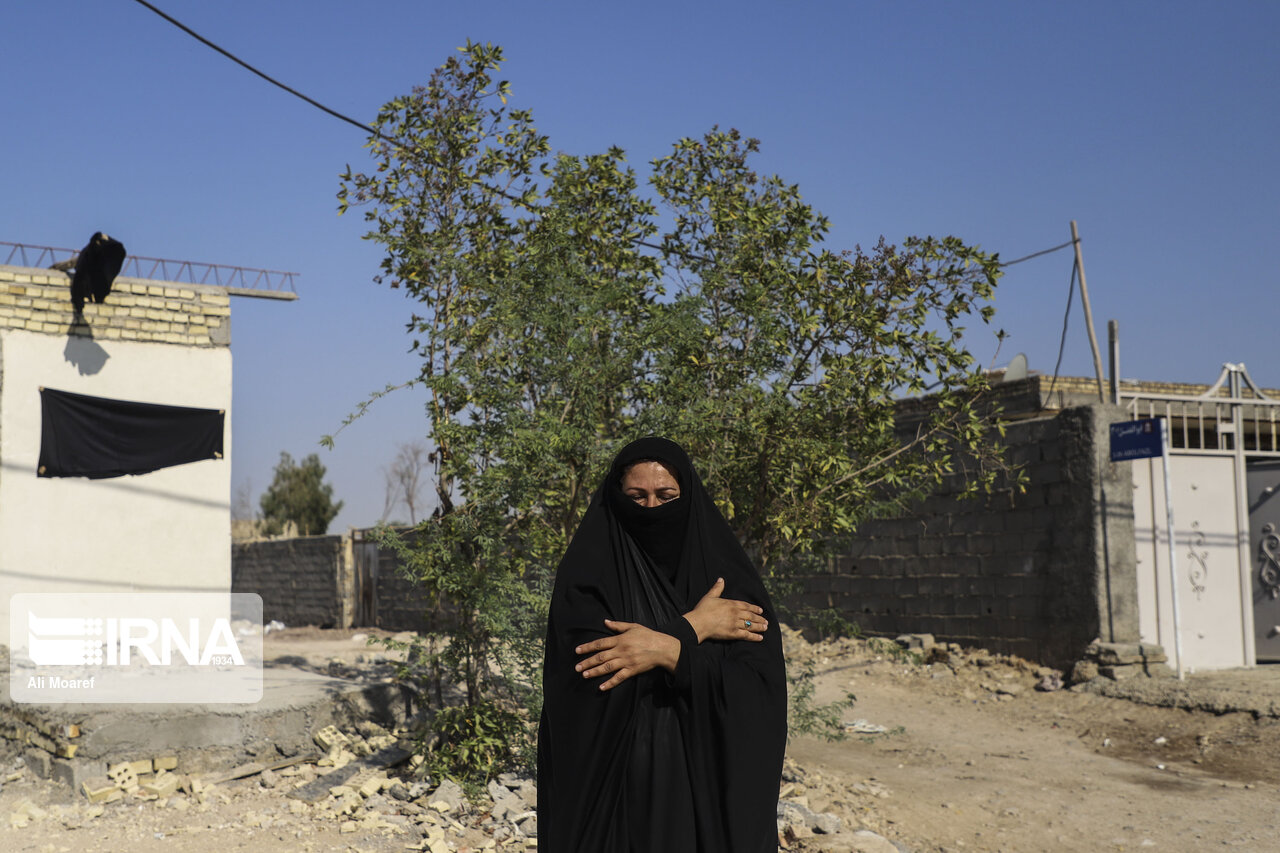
<point x="447" y="798"/>
<point x="1084" y="671"/>
<point x="796" y="820"/>
<point x="364" y="784"/>
<point x="866" y="841"/>
<point x="826" y="823"/>
<point x="916" y="642"/>
<point x="329" y="737"/>
<point x="1050" y="682"/>
<point x="862" y="727"/>
<point x="165" y="784"/>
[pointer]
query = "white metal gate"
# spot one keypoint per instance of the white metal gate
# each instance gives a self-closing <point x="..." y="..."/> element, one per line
<point x="1216" y="438"/>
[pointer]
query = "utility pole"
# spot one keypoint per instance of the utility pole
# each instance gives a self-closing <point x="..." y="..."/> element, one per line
<point x="1088" y="314"/>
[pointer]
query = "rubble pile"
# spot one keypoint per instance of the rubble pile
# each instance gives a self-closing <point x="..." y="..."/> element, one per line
<point x="1121" y="662"/>
<point x="817" y="814"/>
<point x="978" y="673"/>
<point x="365" y="782"/>
<point x="366" y="785"/>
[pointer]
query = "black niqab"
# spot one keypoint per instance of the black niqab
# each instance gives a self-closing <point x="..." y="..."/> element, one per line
<point x="659" y="531"/>
<point x="680" y="763"/>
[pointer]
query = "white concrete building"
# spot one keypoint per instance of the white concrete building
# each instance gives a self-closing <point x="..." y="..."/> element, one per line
<point x="150" y="342"/>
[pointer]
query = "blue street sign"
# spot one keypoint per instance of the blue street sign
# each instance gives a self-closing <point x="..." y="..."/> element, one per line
<point x="1136" y="440"/>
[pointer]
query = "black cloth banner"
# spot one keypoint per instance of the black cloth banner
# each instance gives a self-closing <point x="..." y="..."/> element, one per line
<point x="96" y="437"/>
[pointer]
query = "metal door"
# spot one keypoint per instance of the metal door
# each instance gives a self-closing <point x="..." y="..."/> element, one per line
<point x="366" y="584"/>
<point x="1234" y="422"/>
<point x="1208" y="560"/>
<point x="1264" y="536"/>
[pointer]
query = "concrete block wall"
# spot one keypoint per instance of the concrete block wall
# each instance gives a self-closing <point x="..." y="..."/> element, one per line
<point x="298" y="579"/>
<point x="1040" y="574"/>
<point x="39" y="300"/>
<point x="318" y="580"/>
<point x="402" y="606"/>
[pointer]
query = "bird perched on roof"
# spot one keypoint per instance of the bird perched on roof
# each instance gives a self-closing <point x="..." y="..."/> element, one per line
<point x="97" y="266"/>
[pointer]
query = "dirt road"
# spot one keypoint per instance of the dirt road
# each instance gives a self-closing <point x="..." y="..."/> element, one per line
<point x="971" y="758"/>
<point x="976" y="759"/>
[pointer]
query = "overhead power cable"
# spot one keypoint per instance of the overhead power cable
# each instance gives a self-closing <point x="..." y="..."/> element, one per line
<point x="273" y="81"/>
<point x="1062" y="345"/>
<point x="374" y="132"/>
<point x="1037" y="254"/>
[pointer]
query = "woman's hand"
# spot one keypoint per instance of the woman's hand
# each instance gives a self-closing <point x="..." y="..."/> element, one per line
<point x="716" y="618"/>
<point x="635" y="650"/>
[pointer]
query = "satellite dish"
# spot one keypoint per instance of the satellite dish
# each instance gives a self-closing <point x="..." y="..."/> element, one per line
<point x="1016" y="370"/>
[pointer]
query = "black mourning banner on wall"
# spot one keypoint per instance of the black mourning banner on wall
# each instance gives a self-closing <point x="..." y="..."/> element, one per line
<point x="96" y="437"/>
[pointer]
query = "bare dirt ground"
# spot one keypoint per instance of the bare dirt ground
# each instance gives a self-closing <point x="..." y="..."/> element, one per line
<point x="976" y="759"/>
<point x="972" y="758"/>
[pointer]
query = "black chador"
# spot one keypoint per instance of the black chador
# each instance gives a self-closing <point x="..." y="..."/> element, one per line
<point x="679" y="763"/>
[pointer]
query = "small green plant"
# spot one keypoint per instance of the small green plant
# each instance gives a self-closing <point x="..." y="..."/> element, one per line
<point x="473" y="743"/>
<point x="806" y="718"/>
<point x="894" y="652"/>
<point x="830" y="622"/>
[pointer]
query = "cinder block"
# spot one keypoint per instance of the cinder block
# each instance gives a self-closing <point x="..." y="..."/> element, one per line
<point x="40" y="762"/>
<point x="1121" y="673"/>
<point x="372" y="785"/>
<point x="99" y="789"/>
<point x="329" y="737"/>
<point x="123" y="776"/>
<point x="165" y="762"/>
<point x="164" y="785"/>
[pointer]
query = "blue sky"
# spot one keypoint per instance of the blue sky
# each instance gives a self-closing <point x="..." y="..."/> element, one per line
<point x="1154" y="125"/>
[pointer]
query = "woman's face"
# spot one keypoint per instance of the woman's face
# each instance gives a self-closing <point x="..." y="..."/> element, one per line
<point x="650" y="484"/>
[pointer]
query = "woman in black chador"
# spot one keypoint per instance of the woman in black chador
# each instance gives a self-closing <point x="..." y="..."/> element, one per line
<point x="664" y="719"/>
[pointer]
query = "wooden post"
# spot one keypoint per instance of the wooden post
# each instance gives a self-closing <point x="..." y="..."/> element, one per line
<point x="1113" y="343"/>
<point x="1088" y="314"/>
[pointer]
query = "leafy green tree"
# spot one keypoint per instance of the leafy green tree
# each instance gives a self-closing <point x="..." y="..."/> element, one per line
<point x="299" y="494"/>
<point x="563" y="311"/>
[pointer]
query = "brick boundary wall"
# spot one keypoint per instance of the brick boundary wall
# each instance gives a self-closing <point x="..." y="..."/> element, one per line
<point x="39" y="300"/>
<point x="1039" y="574"/>
<point x="298" y="579"/>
